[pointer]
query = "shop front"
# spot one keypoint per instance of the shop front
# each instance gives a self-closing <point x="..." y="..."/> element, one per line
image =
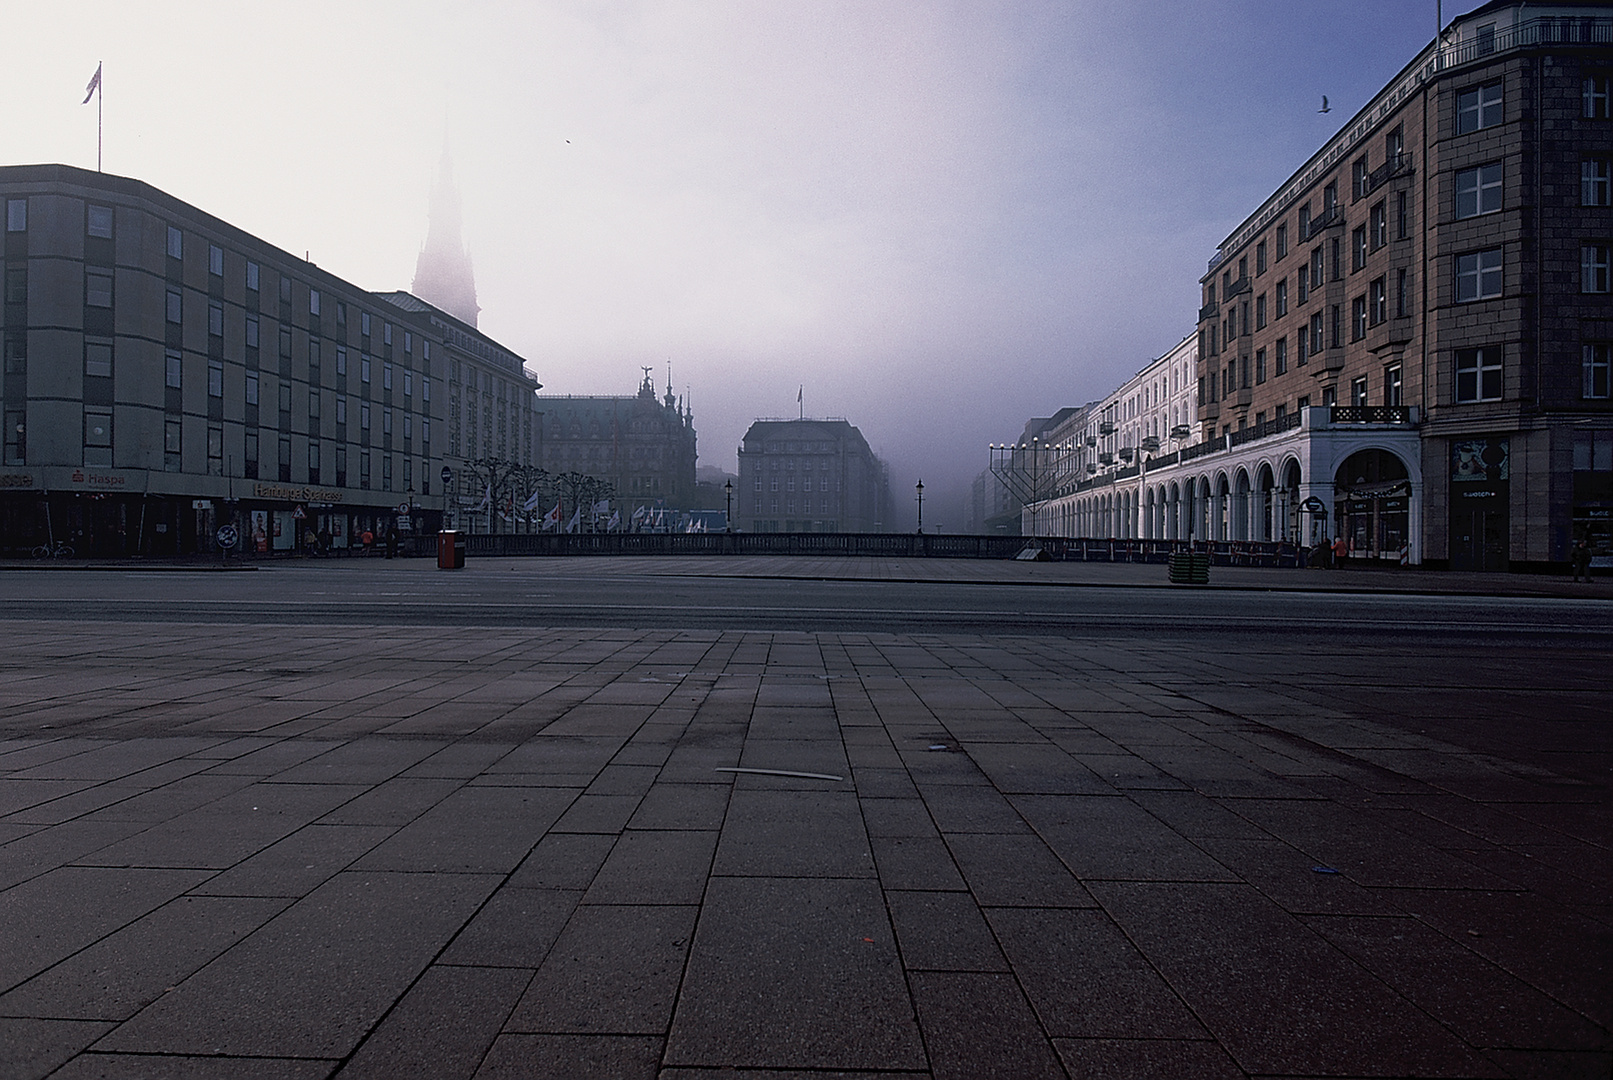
<point x="1480" y="494"/>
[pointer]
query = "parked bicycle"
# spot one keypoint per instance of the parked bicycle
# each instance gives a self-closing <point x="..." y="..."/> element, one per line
<point x="53" y="550"/>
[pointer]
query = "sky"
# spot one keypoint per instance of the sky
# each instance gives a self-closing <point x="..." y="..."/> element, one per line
<point x="933" y="218"/>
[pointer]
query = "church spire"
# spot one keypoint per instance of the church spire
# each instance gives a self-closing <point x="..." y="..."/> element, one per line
<point x="442" y="274"/>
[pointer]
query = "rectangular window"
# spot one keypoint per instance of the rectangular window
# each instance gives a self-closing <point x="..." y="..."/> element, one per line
<point x="176" y="243"/>
<point x="285" y="289"/>
<point x="215" y="449"/>
<point x="215" y="318"/>
<point x="341" y="313"/>
<point x="1594" y="97"/>
<point x="16" y="438"/>
<point x="1358" y="392"/>
<point x="251" y="388"/>
<point x="1593" y="268"/>
<point x="1392" y="394"/>
<point x="364" y="417"/>
<point x="1380" y="225"/>
<point x="1317" y="271"/>
<point x="98" y="437"/>
<point x="364" y="369"/>
<point x="1478" y="374"/>
<point x="251" y="331"/>
<point x="386" y="376"/>
<point x="313" y="301"/>
<point x="1302" y="344"/>
<point x="97" y="359"/>
<point x="386" y="333"/>
<point x="97" y="289"/>
<point x="1282" y="298"/>
<point x="172" y="434"/>
<point x="313" y="405"/>
<point x="251" y="454"/>
<point x="16" y="215"/>
<point x="1478" y="108"/>
<point x="285" y="343"/>
<point x="1358" y="248"/>
<point x="1280" y="357"/>
<point x="1336" y="337"/>
<point x="173" y="365"/>
<point x="313" y="359"/>
<point x="386" y="472"/>
<point x="408" y="342"/>
<point x="408" y="426"/>
<point x="408" y="383"/>
<point x="1595" y="182"/>
<point x="215" y="260"/>
<point x="1358" y="318"/>
<point x="175" y="306"/>
<point x="1478" y="275"/>
<point x="1338" y="265"/>
<point x="1282" y="241"/>
<point x="425" y="389"/>
<point x="1330" y="197"/>
<point x="1402" y="216"/>
<point x="1402" y="293"/>
<point x="364" y="469"/>
<point x="1597" y="356"/>
<point x="285" y="459"/>
<point x="16" y="355"/>
<point x="285" y="402"/>
<point x="1260" y="312"/>
<point x="1358" y="177"/>
<point x="1378" y="301"/>
<point x="1305" y="222"/>
<point x="251" y="276"/>
<point x="313" y="461"/>
<point x="1478" y="191"/>
<point x="99" y="221"/>
<point x="1304" y="284"/>
<point x="1330" y="396"/>
<point x="1260" y="366"/>
<point x="341" y="361"/>
<point x="341" y="409"/>
<point x="364" y="323"/>
<point x="215" y="378"/>
<point x="1260" y="258"/>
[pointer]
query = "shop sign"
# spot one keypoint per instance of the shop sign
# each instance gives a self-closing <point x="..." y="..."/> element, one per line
<point x="296" y="494"/>
<point x="17" y="480"/>
<point x="97" y="480"/>
<point x="201" y="504"/>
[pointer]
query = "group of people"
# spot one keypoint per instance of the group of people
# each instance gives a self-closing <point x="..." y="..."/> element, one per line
<point x="319" y="543"/>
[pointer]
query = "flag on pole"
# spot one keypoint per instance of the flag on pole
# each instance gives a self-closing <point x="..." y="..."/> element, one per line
<point x="552" y="518"/>
<point x="95" y="84"/>
<point x="576" y="517"/>
<point x="531" y="503"/>
<point x="615" y="522"/>
<point x="487" y="500"/>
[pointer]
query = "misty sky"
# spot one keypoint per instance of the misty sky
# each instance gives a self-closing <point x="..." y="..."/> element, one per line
<point x="941" y="218"/>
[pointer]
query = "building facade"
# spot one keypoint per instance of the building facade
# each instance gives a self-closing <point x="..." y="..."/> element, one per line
<point x="167" y="374"/>
<point x="810" y="476"/>
<point x="1414" y="330"/>
<point x="643" y="447"/>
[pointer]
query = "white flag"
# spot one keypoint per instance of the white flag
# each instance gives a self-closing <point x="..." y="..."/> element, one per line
<point x="552" y="518"/>
<point x="615" y="522"/>
<point x="487" y="500"/>
<point x="531" y="503"/>
<point x="576" y="516"/>
<point x="95" y="84"/>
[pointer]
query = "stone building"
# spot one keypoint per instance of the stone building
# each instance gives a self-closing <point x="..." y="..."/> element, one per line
<point x="642" y="446"/>
<point x="810" y="476"/>
<point x="167" y="374"/>
<point x="1415" y="328"/>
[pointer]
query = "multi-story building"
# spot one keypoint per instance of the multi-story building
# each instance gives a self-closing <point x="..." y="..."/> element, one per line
<point x="1107" y="454"/>
<point x="643" y="447"/>
<point x="167" y="373"/>
<point x="1413" y="333"/>
<point x="810" y="476"/>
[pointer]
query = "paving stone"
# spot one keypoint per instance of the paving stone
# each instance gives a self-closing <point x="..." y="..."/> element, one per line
<point x="965" y="809"/>
<point x="133" y="966"/>
<point x="1017" y="870"/>
<point x="564" y="861"/>
<point x="1105" y="838"/>
<point x="598" y="814"/>
<point x="580" y="986"/>
<point x="897" y="817"/>
<point x="54" y="915"/>
<point x="1278" y="997"/>
<point x="473" y="830"/>
<point x="1085" y="979"/>
<point x="797" y="974"/>
<point x="1296" y="882"/>
<point x="394" y="802"/>
<point x="1143" y="1059"/>
<point x="99" y="1066"/>
<point x="515" y="928"/>
<point x="312" y="982"/>
<point x="655" y="867"/>
<point x="572" y="1057"/>
<point x="32" y="1048"/>
<point x="794" y="833"/>
<point x="442" y="1027"/>
<point x="298" y="864"/>
<point x="681" y="806"/>
<point x="943" y="931"/>
<point x="915" y="862"/>
<point x="978" y="1026"/>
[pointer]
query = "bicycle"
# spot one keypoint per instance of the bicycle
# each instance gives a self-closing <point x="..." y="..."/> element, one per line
<point x="53" y="550"/>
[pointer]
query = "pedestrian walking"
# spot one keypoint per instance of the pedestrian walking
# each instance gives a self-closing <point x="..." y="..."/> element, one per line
<point x="1580" y="559"/>
<point x="367" y="538"/>
<point x="392" y="542"/>
<point x="1341" y="551"/>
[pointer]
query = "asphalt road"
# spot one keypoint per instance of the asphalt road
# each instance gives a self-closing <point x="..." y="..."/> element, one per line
<point x="532" y="594"/>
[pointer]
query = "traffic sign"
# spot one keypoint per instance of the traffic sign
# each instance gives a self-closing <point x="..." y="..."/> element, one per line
<point x="228" y="537"/>
<point x="447" y="475"/>
<point x="299" y="513"/>
<point x="403" y="508"/>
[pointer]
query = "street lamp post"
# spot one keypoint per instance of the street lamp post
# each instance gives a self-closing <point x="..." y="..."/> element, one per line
<point x="920" y="489"/>
<point x="728" y="515"/>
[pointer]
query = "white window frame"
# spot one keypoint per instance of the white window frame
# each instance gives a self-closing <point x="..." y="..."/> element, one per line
<point x="1479" y="275"/>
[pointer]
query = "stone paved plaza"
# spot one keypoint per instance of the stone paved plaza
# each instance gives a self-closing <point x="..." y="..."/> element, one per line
<point x="391" y="850"/>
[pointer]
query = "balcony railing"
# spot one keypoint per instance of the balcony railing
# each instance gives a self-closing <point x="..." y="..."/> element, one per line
<point x="1240" y="286"/>
<point x="1264" y="429"/>
<point x="1328" y="218"/>
<point x="1395" y="166"/>
<point x="1209" y="311"/>
<point x="1373" y="414"/>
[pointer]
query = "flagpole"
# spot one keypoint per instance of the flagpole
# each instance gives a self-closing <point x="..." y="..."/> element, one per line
<point x="100" y="98"/>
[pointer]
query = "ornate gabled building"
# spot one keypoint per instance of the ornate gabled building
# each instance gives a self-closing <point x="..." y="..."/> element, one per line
<point x="642" y="446"/>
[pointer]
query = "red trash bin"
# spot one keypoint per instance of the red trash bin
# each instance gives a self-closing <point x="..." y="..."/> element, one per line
<point x="450" y="550"/>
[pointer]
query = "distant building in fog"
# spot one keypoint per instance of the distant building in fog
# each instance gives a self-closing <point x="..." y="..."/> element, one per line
<point x="644" y="447"/>
<point x="810" y="476"/>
